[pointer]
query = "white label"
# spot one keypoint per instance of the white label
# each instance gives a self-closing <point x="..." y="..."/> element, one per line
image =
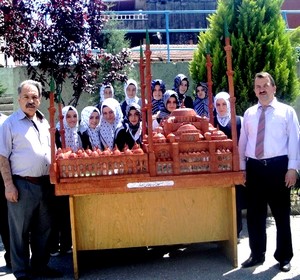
<point x="150" y="184"/>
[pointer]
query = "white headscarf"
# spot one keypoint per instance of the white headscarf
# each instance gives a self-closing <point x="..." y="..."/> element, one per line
<point x="103" y="87"/>
<point x="85" y="125"/>
<point x="134" y="99"/>
<point x="108" y="131"/>
<point x="71" y="136"/>
<point x="224" y="120"/>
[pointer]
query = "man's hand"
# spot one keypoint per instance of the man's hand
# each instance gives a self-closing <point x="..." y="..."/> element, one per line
<point x="291" y="178"/>
<point x="11" y="193"/>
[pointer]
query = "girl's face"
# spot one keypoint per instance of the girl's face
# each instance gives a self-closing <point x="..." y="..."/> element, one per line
<point x="107" y="93"/>
<point x="108" y="115"/>
<point x="71" y="118"/>
<point x="221" y="107"/>
<point x="200" y="92"/>
<point x="131" y="91"/>
<point x="171" y="104"/>
<point x="134" y="117"/>
<point x="157" y="93"/>
<point x="94" y="120"/>
<point x="183" y="87"/>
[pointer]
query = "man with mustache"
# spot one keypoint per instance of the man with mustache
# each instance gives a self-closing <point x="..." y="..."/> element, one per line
<point x="24" y="164"/>
<point x="269" y="152"/>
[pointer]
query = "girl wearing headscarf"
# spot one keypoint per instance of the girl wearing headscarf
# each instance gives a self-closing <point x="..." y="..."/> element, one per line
<point x="201" y="102"/>
<point x="133" y="125"/>
<point x="130" y="90"/>
<point x="170" y="104"/>
<point x="60" y="239"/>
<point x="223" y="116"/>
<point x="111" y="129"/>
<point x="158" y="89"/>
<point x="89" y="127"/>
<point x="106" y="91"/>
<point x="181" y="86"/>
<point x="222" y="121"/>
<point x="70" y="122"/>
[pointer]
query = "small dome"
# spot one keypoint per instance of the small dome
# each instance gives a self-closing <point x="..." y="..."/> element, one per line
<point x="159" y="138"/>
<point x="183" y="112"/>
<point x="218" y="135"/>
<point x="187" y="128"/>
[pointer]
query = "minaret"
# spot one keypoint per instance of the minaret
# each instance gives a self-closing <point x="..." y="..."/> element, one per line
<point x="230" y="72"/>
<point x="209" y="84"/>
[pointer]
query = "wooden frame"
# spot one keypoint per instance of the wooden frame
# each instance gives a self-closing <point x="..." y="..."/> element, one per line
<point x="147" y="211"/>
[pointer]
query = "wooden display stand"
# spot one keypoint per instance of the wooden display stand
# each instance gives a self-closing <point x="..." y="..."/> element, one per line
<point x="139" y="211"/>
<point x="178" y="188"/>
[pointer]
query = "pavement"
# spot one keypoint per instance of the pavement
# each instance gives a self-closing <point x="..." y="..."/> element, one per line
<point x="196" y="261"/>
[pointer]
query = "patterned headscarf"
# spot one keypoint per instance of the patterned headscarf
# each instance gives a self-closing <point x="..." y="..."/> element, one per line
<point x="177" y="82"/>
<point x="156" y="104"/>
<point x="201" y="105"/>
<point x="108" y="131"/>
<point x="134" y="99"/>
<point x="163" y="110"/>
<point x="103" y="87"/>
<point x="71" y="135"/>
<point x="84" y="125"/>
<point x="134" y="130"/>
<point x="225" y="119"/>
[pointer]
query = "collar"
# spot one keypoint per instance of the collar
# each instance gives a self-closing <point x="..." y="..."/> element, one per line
<point x="272" y="104"/>
<point x="21" y="115"/>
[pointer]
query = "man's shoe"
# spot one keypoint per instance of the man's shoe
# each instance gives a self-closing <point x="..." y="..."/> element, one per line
<point x="253" y="261"/>
<point x="285" y="266"/>
<point x="47" y="272"/>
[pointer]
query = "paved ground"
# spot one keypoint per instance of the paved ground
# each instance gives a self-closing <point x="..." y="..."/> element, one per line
<point x="197" y="261"/>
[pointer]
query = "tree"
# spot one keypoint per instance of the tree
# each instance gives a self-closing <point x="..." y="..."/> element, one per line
<point x="113" y="41"/>
<point x="295" y="40"/>
<point x="259" y="43"/>
<point x="60" y="36"/>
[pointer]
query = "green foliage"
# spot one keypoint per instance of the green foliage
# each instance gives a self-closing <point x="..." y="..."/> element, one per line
<point x="113" y="41"/>
<point x="295" y="37"/>
<point x="259" y="43"/>
<point x="2" y="89"/>
<point x="295" y="40"/>
<point x="60" y="39"/>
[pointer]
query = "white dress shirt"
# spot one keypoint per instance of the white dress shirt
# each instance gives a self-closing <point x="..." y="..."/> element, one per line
<point x="281" y="133"/>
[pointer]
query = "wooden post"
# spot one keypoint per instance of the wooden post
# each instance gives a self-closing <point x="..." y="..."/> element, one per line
<point x="143" y="96"/>
<point x="230" y="72"/>
<point x="52" y="110"/>
<point x="152" y="161"/>
<point x="148" y="91"/>
<point x="61" y="123"/>
<point x="209" y="84"/>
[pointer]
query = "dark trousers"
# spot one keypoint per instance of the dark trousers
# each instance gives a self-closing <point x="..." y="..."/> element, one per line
<point x="30" y="220"/>
<point x="241" y="203"/>
<point x="4" y="229"/>
<point x="61" y="238"/>
<point x="266" y="186"/>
